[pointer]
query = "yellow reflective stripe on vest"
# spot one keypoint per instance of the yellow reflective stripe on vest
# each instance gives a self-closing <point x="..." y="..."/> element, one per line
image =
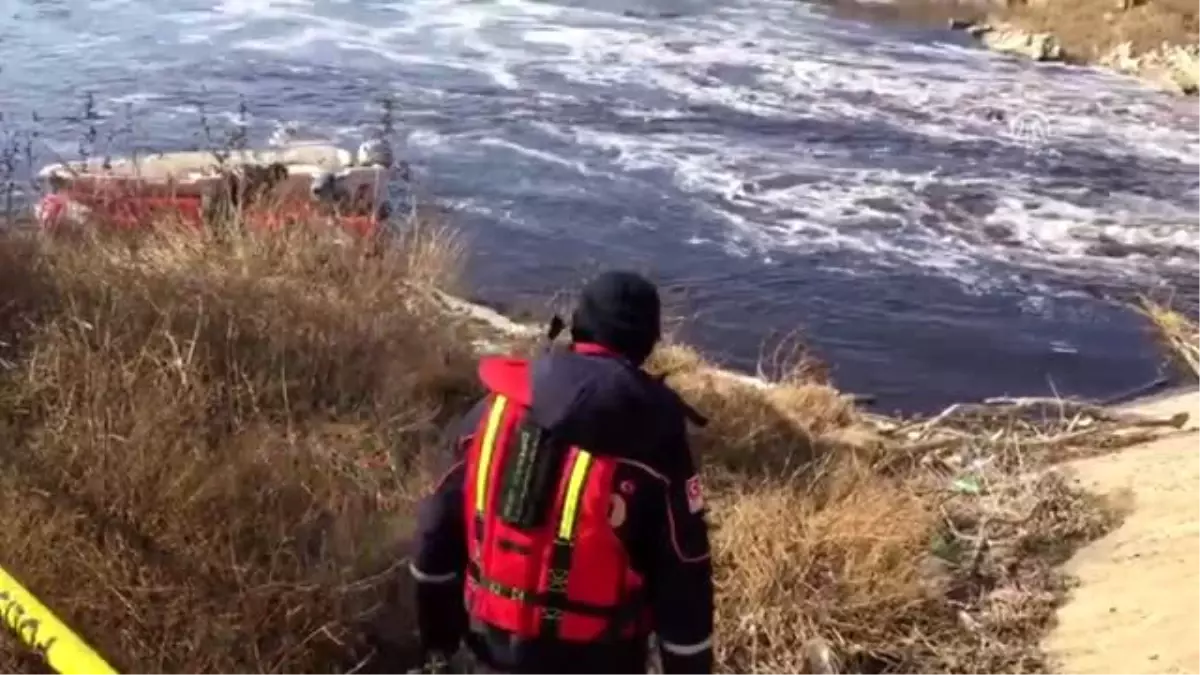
<point x="42" y="631"/>
<point x="579" y="469"/>
<point x="486" y="450"/>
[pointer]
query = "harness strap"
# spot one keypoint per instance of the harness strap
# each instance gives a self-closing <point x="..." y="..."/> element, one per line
<point x="484" y="468"/>
<point x="545" y="600"/>
<point x="564" y="544"/>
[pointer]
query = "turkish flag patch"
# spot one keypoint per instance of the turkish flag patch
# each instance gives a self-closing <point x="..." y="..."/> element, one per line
<point x="695" y="496"/>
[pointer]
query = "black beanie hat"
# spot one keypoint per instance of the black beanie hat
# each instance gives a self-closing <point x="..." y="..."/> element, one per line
<point x="621" y="311"/>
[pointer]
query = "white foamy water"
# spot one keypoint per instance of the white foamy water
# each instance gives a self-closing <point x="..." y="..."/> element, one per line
<point x="798" y="132"/>
<point x="744" y="148"/>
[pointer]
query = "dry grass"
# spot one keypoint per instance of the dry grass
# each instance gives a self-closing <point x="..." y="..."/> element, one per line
<point x="1090" y="29"/>
<point x="1178" y="333"/>
<point x="842" y="571"/>
<point x="201" y="435"/>
<point x="754" y="430"/>
<point x="211" y="459"/>
<point x="895" y="575"/>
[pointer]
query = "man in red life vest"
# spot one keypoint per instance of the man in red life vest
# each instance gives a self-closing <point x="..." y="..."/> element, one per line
<point x="569" y="522"/>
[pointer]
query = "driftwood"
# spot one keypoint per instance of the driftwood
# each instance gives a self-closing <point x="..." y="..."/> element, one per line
<point x="1092" y="409"/>
<point x="1016" y="430"/>
<point x="1066" y="410"/>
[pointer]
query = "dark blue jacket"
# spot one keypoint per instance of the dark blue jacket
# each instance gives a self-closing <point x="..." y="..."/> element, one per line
<point x="599" y="401"/>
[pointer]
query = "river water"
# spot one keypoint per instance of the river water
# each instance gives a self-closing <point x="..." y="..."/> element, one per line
<point x="937" y="220"/>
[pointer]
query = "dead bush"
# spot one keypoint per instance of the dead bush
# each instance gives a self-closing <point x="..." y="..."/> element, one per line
<point x="210" y="441"/>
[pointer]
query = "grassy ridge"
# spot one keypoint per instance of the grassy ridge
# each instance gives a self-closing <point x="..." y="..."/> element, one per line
<point x="213" y="448"/>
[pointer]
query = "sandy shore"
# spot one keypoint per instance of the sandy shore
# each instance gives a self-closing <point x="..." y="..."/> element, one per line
<point x="1137" y="606"/>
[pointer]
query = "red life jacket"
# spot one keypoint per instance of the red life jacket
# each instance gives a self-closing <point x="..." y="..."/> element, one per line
<point x="569" y="577"/>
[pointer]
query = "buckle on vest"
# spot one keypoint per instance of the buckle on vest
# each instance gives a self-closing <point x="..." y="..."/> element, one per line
<point x="553" y="604"/>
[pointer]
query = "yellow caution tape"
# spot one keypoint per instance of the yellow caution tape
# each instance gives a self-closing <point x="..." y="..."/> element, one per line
<point x="41" y="631"/>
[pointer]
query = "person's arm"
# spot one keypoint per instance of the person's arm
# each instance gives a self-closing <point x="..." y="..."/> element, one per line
<point x="440" y="557"/>
<point x="680" y="582"/>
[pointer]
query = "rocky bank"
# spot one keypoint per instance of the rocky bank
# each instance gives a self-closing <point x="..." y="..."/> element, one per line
<point x="1152" y="39"/>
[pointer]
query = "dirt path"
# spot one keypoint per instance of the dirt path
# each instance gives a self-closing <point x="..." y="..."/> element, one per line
<point x="1137" y="609"/>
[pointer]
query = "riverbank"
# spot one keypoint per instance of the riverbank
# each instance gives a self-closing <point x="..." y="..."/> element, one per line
<point x="219" y="443"/>
<point x="1155" y="40"/>
<point x="1135" y="609"/>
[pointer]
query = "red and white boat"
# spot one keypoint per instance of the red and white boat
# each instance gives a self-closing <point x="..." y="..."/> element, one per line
<point x="270" y="188"/>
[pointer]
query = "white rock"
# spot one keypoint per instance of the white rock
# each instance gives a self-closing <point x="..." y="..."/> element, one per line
<point x="1036" y="46"/>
